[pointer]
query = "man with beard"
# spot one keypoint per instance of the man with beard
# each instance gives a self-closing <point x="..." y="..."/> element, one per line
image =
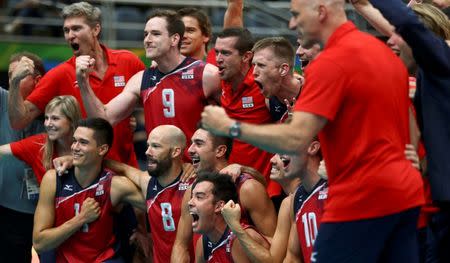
<point x="163" y="189"/>
<point x="210" y="192"/>
<point x="110" y="72"/>
<point x="210" y="153"/>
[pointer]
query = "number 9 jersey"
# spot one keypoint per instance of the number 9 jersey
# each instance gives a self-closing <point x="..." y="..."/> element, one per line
<point x="176" y="98"/>
<point x="164" y="211"/>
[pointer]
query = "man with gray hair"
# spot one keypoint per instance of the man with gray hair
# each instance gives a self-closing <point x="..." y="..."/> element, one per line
<point x="111" y="71"/>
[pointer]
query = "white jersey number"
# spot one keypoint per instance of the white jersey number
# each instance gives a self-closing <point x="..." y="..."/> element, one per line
<point x="85" y="227"/>
<point x="310" y="227"/>
<point x="168" y="100"/>
<point x="166" y="213"/>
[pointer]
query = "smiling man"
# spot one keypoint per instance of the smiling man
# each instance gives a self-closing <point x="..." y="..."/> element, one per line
<point x="75" y="212"/>
<point x="174" y="92"/>
<point x="110" y="72"/>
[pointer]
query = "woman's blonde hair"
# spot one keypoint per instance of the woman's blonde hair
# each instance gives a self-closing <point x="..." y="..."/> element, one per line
<point x="69" y="107"/>
<point x="433" y="19"/>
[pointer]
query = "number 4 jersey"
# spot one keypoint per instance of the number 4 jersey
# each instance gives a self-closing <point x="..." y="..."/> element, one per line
<point x="164" y="211"/>
<point x="308" y="210"/>
<point x="175" y="98"/>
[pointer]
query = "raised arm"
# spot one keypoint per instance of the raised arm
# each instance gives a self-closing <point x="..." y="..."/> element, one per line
<point x="255" y="251"/>
<point x="138" y="177"/>
<point x="286" y="138"/>
<point x="374" y="17"/>
<point x="234" y="15"/>
<point x="253" y="197"/>
<point x="21" y="112"/>
<point x="180" y="250"/>
<point x="45" y="236"/>
<point x="119" y="107"/>
<point x="123" y="190"/>
<point x="430" y="51"/>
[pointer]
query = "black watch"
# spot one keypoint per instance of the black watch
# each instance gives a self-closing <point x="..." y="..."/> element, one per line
<point x="235" y="130"/>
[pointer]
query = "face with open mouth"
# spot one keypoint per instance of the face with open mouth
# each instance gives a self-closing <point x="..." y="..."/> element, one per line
<point x="202" y="151"/>
<point x="229" y="61"/>
<point x="80" y="36"/>
<point x="280" y="167"/>
<point x="203" y="208"/>
<point x="267" y="71"/>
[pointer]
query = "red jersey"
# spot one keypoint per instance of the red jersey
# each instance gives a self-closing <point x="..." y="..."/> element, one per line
<point x="175" y="98"/>
<point x="164" y="211"/>
<point x="247" y="104"/>
<point x="211" y="57"/>
<point x="220" y="252"/>
<point x="308" y="209"/>
<point x="94" y="242"/>
<point x="364" y="139"/>
<point x="30" y="150"/>
<point x="61" y="80"/>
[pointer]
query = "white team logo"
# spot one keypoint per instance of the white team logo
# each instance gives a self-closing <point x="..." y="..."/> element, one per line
<point x="183" y="186"/>
<point x="247" y="102"/>
<point x="68" y="187"/>
<point x="99" y="190"/>
<point x="187" y="74"/>
<point x="119" y="81"/>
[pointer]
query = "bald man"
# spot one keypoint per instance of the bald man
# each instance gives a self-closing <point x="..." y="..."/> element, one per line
<point x="360" y="109"/>
<point x="162" y="190"/>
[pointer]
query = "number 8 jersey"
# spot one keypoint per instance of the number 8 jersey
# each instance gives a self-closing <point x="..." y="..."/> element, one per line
<point x="164" y="211"/>
<point x="175" y="98"/>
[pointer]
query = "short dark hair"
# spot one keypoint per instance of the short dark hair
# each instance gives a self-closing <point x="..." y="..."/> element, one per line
<point x="244" y="41"/>
<point x="174" y="23"/>
<point x="280" y="46"/>
<point x="203" y="20"/>
<point x="222" y="140"/>
<point x="38" y="64"/>
<point x="224" y="188"/>
<point x="103" y="131"/>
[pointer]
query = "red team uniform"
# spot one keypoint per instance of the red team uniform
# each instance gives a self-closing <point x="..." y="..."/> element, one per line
<point x="94" y="242"/>
<point x="61" y="80"/>
<point x="164" y="211"/>
<point x="30" y="151"/>
<point x="176" y="98"/>
<point x="247" y="104"/>
<point x="308" y="210"/>
<point x="358" y="153"/>
<point x="220" y="252"/>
